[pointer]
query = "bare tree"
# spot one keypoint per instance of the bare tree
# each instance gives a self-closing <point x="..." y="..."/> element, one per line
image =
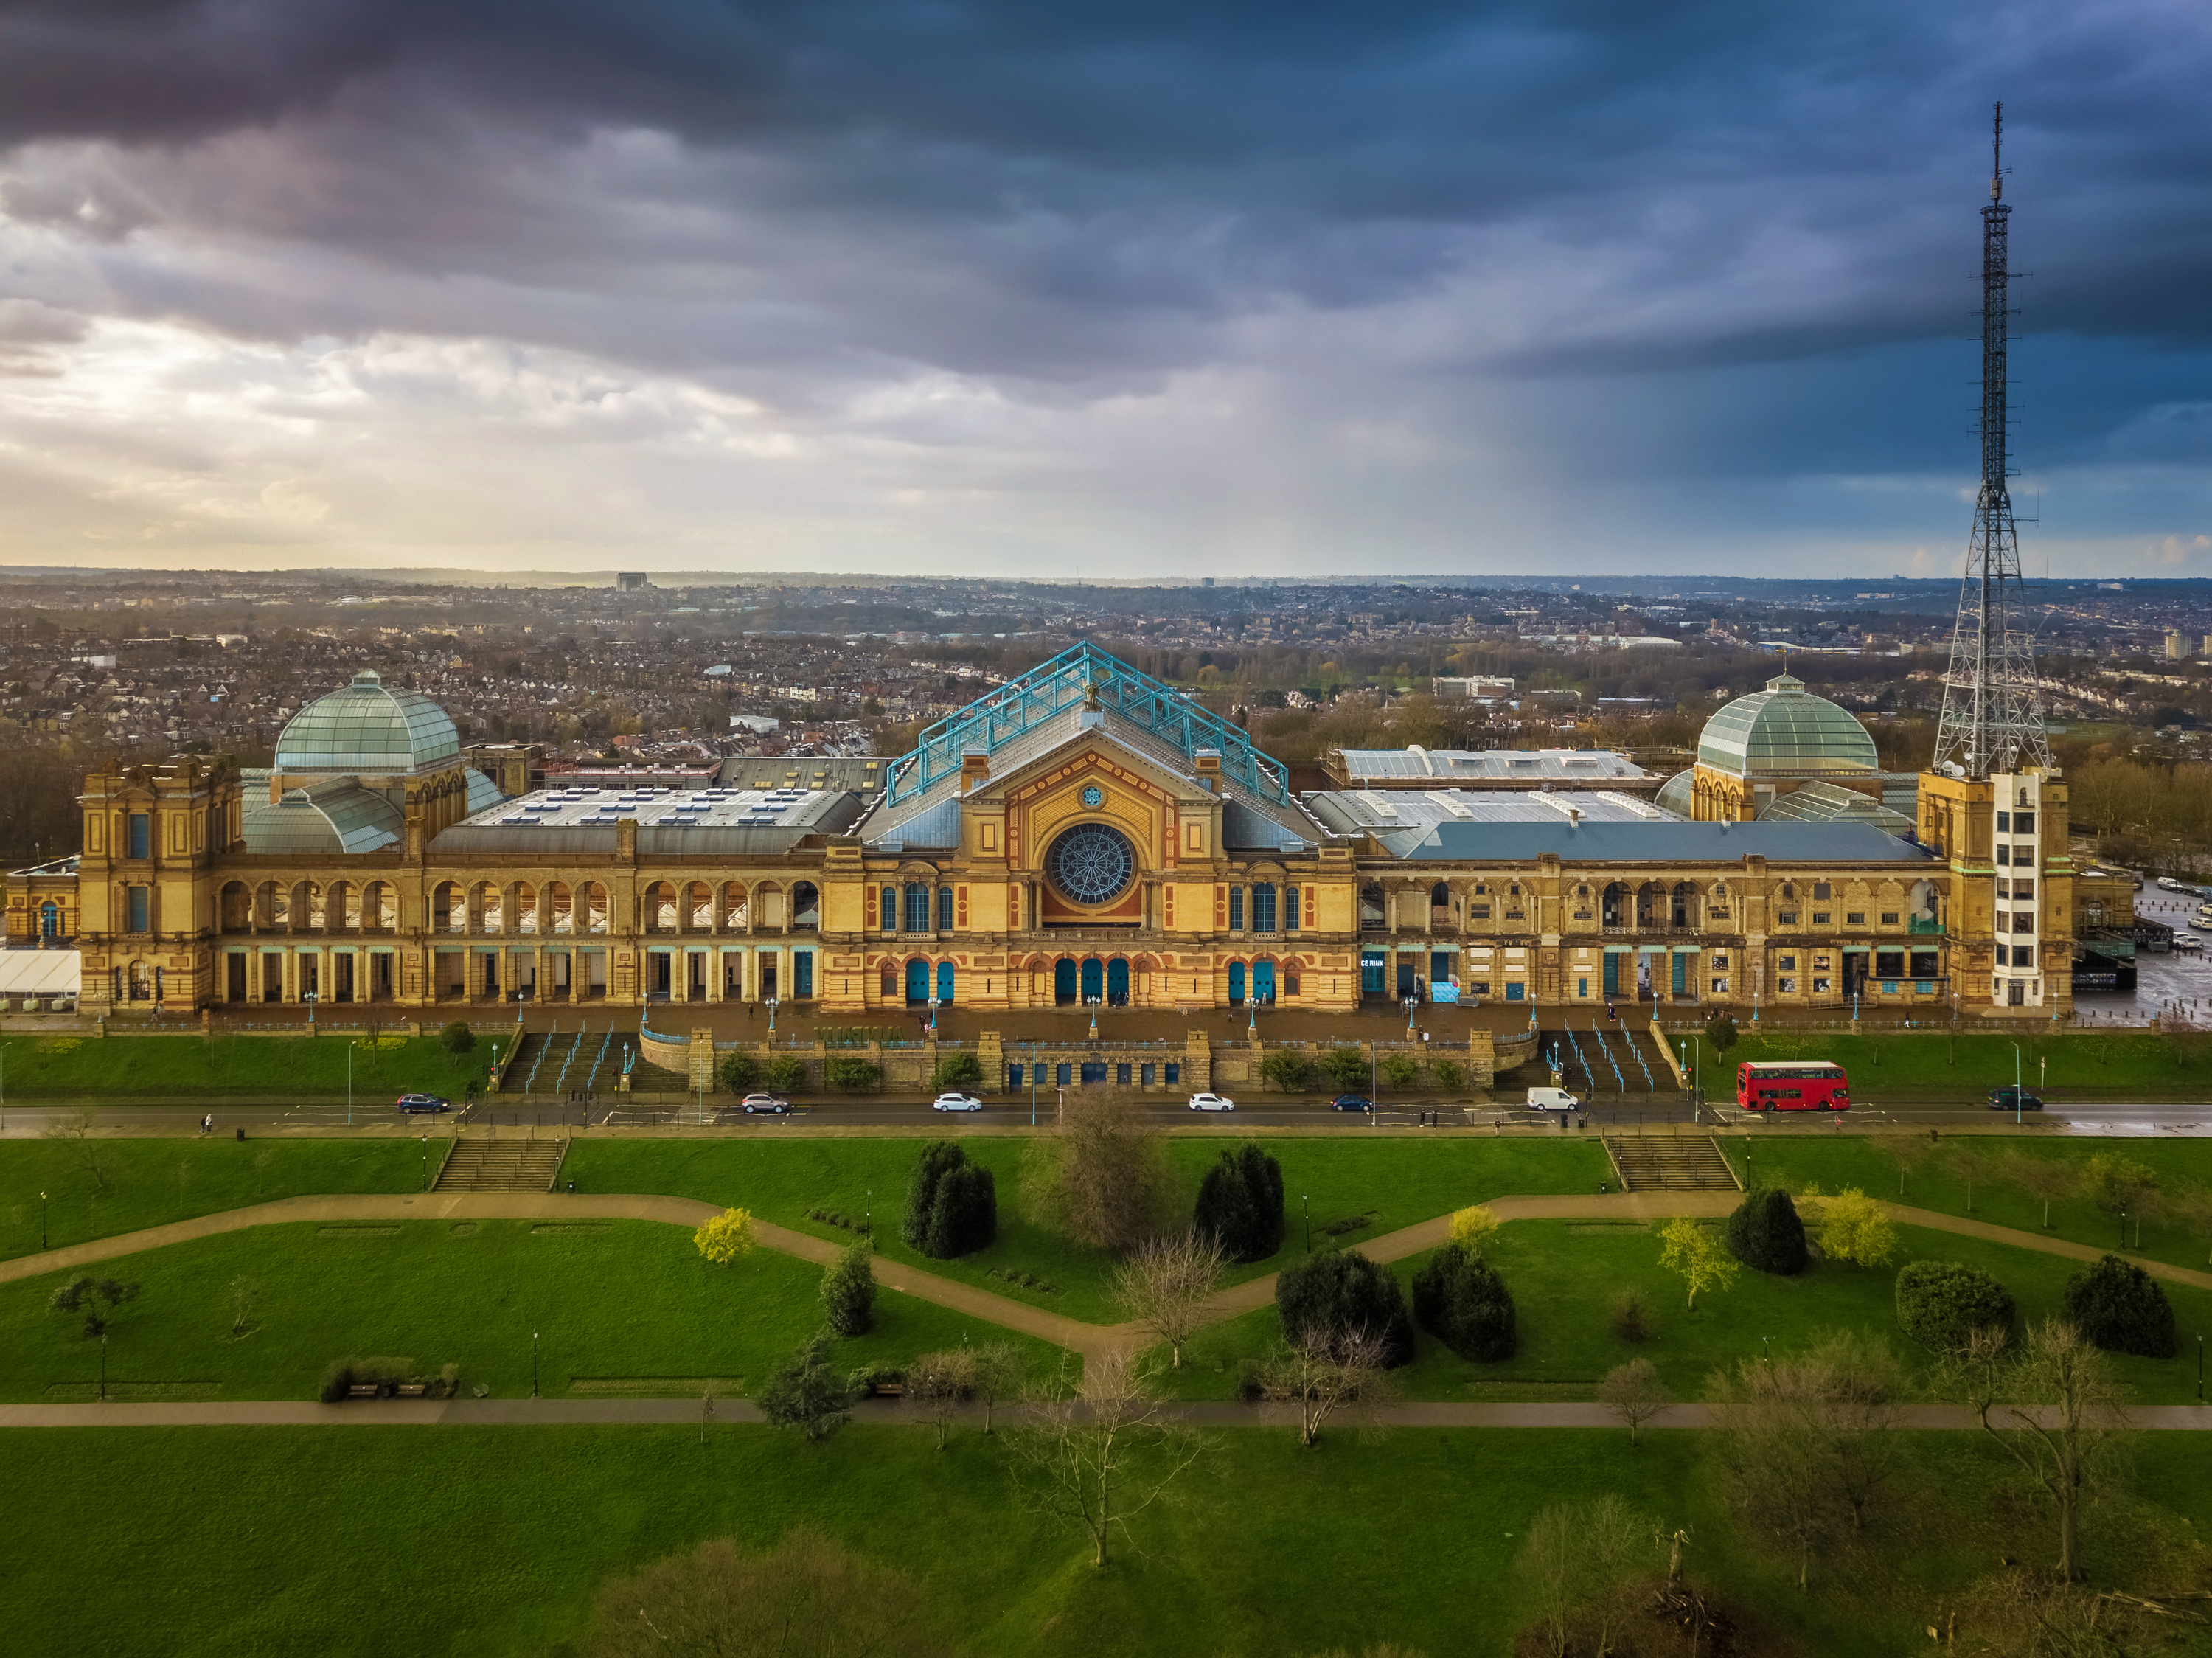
<point x="2056" y="1409"/>
<point x="1100" y="1176"/>
<point x="1322" y="1371"/>
<point x="807" y="1595"/>
<point x="245" y="1298"/>
<point x="1165" y="1284"/>
<point x="74" y="1130"/>
<point x="2047" y="1178"/>
<point x="1634" y="1392"/>
<point x="1574" y="1557"/>
<point x="1075" y="1449"/>
<point x="936" y="1386"/>
<point x="1807" y="1441"/>
<point x="996" y="1368"/>
<point x="1908" y="1152"/>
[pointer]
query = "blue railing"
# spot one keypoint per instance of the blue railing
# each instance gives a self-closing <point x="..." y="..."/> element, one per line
<point x="530" y="1082"/>
<point x="561" y="1082"/>
<point x="1069" y="680"/>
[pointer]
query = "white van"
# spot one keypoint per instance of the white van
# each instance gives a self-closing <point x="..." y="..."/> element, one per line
<point x="1552" y="1099"/>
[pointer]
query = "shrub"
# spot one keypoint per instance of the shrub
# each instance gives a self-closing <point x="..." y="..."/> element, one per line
<point x="849" y="1291"/>
<point x="848" y="1073"/>
<point x="738" y="1072"/>
<point x="1631" y="1315"/>
<point x="1855" y="1227"/>
<point x="1346" y="1067"/>
<point x="1766" y="1234"/>
<point x="1240" y="1202"/>
<point x="785" y="1074"/>
<point x="951" y="1205"/>
<point x="1460" y="1299"/>
<point x="1720" y="1030"/>
<point x="384" y="1374"/>
<point x="1472" y="1227"/>
<point x="1288" y="1070"/>
<point x="457" y="1037"/>
<point x="1942" y="1303"/>
<point x="866" y="1379"/>
<point x="1401" y="1070"/>
<point x="1449" y="1073"/>
<point x="1338" y="1291"/>
<point x="2121" y="1308"/>
<point x="957" y="1070"/>
<point x="2116" y="1183"/>
<point x="726" y="1237"/>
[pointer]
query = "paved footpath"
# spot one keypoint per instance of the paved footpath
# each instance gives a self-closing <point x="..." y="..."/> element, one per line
<point x="1088" y="1340"/>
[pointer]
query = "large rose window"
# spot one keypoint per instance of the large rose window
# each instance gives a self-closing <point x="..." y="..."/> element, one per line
<point x="1091" y="864"/>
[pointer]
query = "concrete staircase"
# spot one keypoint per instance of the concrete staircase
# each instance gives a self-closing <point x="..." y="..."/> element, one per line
<point x="1655" y="1162"/>
<point x="515" y="1165"/>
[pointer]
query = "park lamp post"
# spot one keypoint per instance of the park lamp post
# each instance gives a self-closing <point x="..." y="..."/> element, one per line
<point x="426" y="1160"/>
<point x="534" y="1364"/>
<point x="349" y="1084"/>
<point x="1305" y="1206"/>
<point x="2015" y="1085"/>
<point x="932" y="1017"/>
<point x="42" y="1221"/>
<point x="771" y="1015"/>
<point x="103" y="1365"/>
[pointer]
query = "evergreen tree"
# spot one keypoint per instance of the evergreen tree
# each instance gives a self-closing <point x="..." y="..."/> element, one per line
<point x="937" y="1157"/>
<point x="1338" y="1291"/>
<point x="1240" y="1201"/>
<point x="2121" y="1308"/>
<point x="1766" y="1234"/>
<point x="849" y="1291"/>
<point x="1460" y="1299"/>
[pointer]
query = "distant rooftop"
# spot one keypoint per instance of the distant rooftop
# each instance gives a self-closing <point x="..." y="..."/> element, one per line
<point x="1493" y="768"/>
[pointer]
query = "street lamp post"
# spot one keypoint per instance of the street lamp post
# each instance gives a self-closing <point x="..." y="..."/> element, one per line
<point x="771" y="1015"/>
<point x="1305" y="1206"/>
<point x="42" y="1221"/>
<point x="2015" y="1085"/>
<point x="534" y="1364"/>
<point x="103" y="1365"/>
<point x="348" y="1085"/>
<point x="426" y="1160"/>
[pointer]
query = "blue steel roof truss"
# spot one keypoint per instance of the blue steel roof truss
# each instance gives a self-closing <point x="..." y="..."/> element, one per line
<point x="1050" y="689"/>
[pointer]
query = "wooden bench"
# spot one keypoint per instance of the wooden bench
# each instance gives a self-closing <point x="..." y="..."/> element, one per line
<point x="412" y="1389"/>
<point x="888" y="1389"/>
<point x="363" y="1390"/>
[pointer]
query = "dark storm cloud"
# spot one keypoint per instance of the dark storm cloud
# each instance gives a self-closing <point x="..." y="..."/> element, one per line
<point x="1719" y="241"/>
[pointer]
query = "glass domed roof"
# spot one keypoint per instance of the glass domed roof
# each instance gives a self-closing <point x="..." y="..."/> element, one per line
<point x="1678" y="795"/>
<point x="366" y="730"/>
<point x="1784" y="731"/>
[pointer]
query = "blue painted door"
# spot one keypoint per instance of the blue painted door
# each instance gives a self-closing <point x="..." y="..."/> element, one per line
<point x="1611" y="975"/>
<point x="1236" y="982"/>
<point x="917" y="981"/>
<point x="1094" y="977"/>
<point x="944" y="981"/>
<point x="1117" y="983"/>
<point x="1063" y="980"/>
<point x="1263" y="982"/>
<point x="1682" y="973"/>
<point x="1370" y="973"/>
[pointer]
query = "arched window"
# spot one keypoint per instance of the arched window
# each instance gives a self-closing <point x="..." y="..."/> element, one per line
<point x="889" y="908"/>
<point x="1439" y="897"/>
<point x="1291" y="901"/>
<point x="49" y="917"/>
<point x="737" y="909"/>
<point x="526" y="907"/>
<point x="485" y="909"/>
<point x="1614" y="903"/>
<point x="1371" y="906"/>
<point x="660" y="907"/>
<point x="237" y="908"/>
<point x="917" y="907"/>
<point x="944" y="909"/>
<point x="561" y="907"/>
<point x="699" y="907"/>
<point x="307" y="906"/>
<point x="594" y="906"/>
<point x="1682" y="911"/>
<point x="805" y="907"/>
<point x="1263" y="908"/>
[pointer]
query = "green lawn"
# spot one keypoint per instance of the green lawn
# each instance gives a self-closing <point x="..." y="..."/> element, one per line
<point x="1913" y="1064"/>
<point x="387" y="1542"/>
<point x="1910" y="1168"/>
<point x="1563" y="1275"/>
<point x="628" y="1299"/>
<point x="1336" y="1176"/>
<point x="122" y="1067"/>
<point x="152" y="1182"/>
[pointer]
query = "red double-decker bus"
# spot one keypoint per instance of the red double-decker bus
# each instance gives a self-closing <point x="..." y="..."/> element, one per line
<point x="1809" y="1085"/>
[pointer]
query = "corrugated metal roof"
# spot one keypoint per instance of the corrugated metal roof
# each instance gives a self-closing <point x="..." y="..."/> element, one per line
<point x="709" y="822"/>
<point x="1504" y="765"/>
<point x="1672" y="842"/>
<point x="1358" y="811"/>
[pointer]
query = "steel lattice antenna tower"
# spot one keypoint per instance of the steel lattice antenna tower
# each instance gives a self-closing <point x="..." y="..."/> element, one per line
<point x="1992" y="708"/>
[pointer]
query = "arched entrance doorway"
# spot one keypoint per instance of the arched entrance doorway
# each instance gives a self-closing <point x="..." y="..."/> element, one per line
<point x="1235" y="984"/>
<point x="917" y="981"/>
<point x="1263" y="982"/>
<point x="1063" y="980"/>
<point x="1094" y="977"/>
<point x="944" y="982"/>
<point x="1117" y="983"/>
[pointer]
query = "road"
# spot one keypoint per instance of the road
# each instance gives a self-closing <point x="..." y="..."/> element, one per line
<point x="2144" y="1118"/>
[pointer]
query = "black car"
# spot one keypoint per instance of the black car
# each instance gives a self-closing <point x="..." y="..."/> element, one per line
<point x="2013" y="1100"/>
<point x="1351" y="1102"/>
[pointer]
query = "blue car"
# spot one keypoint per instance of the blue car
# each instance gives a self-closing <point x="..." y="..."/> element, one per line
<point x="418" y="1103"/>
<point x="1351" y="1102"/>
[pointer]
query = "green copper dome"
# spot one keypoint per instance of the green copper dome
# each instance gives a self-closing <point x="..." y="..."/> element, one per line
<point x="365" y="730"/>
<point x="1783" y="731"/>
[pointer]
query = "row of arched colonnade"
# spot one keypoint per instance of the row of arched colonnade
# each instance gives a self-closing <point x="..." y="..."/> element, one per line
<point x="520" y="908"/>
<point x="1116" y="981"/>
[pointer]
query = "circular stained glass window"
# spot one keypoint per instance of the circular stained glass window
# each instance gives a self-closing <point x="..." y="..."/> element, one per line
<point x="1094" y="797"/>
<point x="1091" y="864"/>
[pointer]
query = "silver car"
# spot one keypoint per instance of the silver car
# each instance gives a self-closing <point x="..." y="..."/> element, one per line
<point x="956" y="1102"/>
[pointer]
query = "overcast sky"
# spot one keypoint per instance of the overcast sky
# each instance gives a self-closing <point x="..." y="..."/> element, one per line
<point x="997" y="286"/>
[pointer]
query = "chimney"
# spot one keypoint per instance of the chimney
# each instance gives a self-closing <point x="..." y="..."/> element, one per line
<point x="1209" y="769"/>
<point x="975" y="770"/>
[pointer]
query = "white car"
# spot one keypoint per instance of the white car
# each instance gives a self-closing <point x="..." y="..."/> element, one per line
<point x="956" y="1102"/>
<point x="2188" y="943"/>
<point x="1212" y="1102"/>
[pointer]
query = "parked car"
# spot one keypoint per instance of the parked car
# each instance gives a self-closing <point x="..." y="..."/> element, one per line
<point x="422" y="1102"/>
<point x="1212" y="1102"/>
<point x="1552" y="1099"/>
<point x="956" y="1102"/>
<point x="763" y="1102"/>
<point x="2013" y="1100"/>
<point x="2188" y="943"/>
<point x="1351" y="1102"/>
<point x="2202" y="917"/>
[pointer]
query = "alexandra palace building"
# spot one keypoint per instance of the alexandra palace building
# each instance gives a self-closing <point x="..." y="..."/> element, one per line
<point x="1083" y="832"/>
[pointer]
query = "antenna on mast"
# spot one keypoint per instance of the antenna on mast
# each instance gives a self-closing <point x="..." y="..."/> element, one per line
<point x="1992" y="705"/>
